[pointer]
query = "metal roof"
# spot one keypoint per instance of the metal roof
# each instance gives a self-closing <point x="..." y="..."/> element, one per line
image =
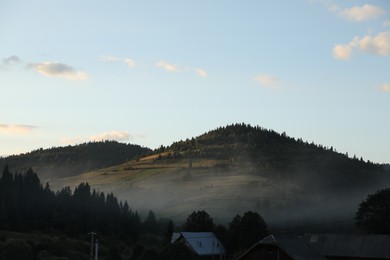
<point x="351" y="245"/>
<point x="292" y="245"/>
<point x="202" y="243"/>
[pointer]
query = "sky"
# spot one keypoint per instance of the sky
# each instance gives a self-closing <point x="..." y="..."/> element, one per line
<point x="154" y="72"/>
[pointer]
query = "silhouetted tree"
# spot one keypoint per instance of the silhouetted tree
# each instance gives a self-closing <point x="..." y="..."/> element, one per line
<point x="199" y="221"/>
<point x="150" y="224"/>
<point x="247" y="230"/>
<point x="373" y="215"/>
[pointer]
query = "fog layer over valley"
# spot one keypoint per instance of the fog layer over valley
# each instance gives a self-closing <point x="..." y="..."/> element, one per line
<point x="238" y="168"/>
<point x="176" y="192"/>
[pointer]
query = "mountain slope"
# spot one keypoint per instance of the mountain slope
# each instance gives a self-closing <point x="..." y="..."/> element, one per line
<point x="237" y="168"/>
<point x="266" y="150"/>
<point x="68" y="161"/>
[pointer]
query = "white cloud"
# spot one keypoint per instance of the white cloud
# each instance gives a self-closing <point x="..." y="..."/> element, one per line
<point x="386" y="23"/>
<point x="168" y="66"/>
<point x="376" y="45"/>
<point x="16" y="129"/>
<point x="353" y="14"/>
<point x="201" y="73"/>
<point x="267" y="80"/>
<point x="386" y="87"/>
<point x="342" y="52"/>
<point x="11" y="60"/>
<point x="112" y="135"/>
<point x="130" y="63"/>
<point x="60" y="70"/>
<point x="362" y="13"/>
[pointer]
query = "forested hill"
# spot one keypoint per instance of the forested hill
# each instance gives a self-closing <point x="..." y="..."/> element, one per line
<point x="239" y="167"/>
<point x="283" y="156"/>
<point x="73" y="160"/>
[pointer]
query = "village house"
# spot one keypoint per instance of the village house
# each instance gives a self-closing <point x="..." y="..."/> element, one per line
<point x="351" y="246"/>
<point x="204" y="245"/>
<point x="281" y="247"/>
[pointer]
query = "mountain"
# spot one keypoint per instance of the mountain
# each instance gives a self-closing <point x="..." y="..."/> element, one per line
<point x="268" y="152"/>
<point x="239" y="167"/>
<point x="68" y="161"/>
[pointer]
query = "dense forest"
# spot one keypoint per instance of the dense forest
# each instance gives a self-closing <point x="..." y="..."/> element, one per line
<point x="68" y="161"/>
<point x="268" y="151"/>
<point x="25" y="204"/>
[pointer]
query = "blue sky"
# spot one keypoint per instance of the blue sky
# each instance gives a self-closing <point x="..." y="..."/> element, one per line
<point x="155" y="72"/>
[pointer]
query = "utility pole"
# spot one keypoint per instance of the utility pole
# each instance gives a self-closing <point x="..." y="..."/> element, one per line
<point x="212" y="255"/>
<point x="92" y="234"/>
<point x="97" y="250"/>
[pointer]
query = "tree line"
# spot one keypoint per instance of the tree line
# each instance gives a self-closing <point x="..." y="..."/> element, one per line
<point x="26" y="204"/>
<point x="68" y="161"/>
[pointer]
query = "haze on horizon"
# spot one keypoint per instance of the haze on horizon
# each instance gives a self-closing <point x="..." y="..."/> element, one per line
<point x="157" y="72"/>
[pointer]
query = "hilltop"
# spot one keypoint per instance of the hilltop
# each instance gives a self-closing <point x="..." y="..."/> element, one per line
<point x="240" y="167"/>
<point x="59" y="162"/>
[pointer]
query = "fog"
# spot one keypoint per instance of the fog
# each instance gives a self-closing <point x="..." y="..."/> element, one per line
<point x="293" y="203"/>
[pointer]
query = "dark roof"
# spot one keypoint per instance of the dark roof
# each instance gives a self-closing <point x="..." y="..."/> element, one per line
<point x="351" y="245"/>
<point x="292" y="245"/>
<point x="202" y="243"/>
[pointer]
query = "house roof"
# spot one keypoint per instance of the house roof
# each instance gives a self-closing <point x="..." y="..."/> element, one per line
<point x="351" y="245"/>
<point x="202" y="243"/>
<point x="292" y="245"/>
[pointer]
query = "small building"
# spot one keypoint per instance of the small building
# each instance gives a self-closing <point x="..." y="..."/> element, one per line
<point x="350" y="246"/>
<point x="204" y="245"/>
<point x="281" y="247"/>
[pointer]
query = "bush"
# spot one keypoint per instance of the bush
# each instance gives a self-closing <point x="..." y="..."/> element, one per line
<point x="16" y="249"/>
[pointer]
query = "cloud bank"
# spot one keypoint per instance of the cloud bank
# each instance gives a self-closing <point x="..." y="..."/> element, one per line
<point x="56" y="69"/>
<point x="376" y="45"/>
<point x="16" y="129"/>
